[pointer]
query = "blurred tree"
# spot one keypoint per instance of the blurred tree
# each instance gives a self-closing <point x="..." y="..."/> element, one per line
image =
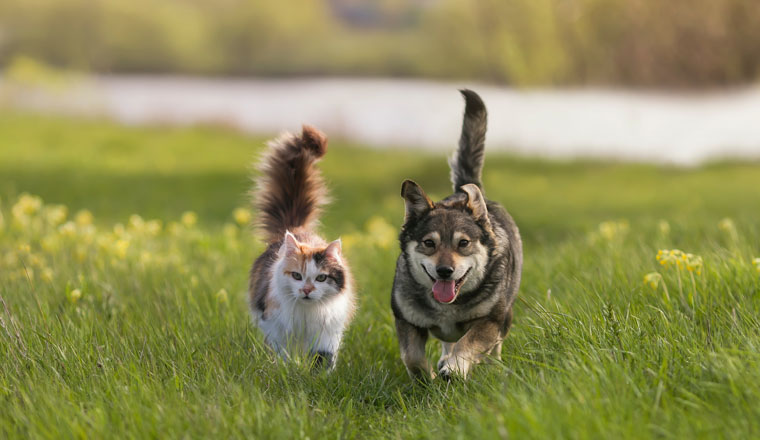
<point x="520" y="42"/>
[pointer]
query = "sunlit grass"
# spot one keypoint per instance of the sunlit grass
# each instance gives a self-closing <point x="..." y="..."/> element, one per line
<point x="124" y="308"/>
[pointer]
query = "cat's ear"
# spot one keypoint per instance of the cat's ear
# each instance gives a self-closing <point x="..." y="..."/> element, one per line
<point x="290" y="244"/>
<point x="334" y="250"/>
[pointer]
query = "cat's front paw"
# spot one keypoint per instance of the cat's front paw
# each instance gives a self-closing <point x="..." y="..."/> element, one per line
<point x="325" y="360"/>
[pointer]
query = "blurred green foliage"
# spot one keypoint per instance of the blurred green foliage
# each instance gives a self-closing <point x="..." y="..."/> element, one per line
<point x="518" y="42"/>
<point x="26" y="71"/>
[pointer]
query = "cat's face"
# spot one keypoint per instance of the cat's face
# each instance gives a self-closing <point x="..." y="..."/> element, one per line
<point x="311" y="273"/>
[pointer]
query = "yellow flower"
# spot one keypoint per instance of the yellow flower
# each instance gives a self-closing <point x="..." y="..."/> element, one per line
<point x="242" y="216"/>
<point x="35" y="260"/>
<point x="230" y="230"/>
<point x="189" y="219"/>
<point x="693" y="263"/>
<point x="381" y="232"/>
<point x="350" y="240"/>
<point x="676" y="257"/>
<point x="666" y="257"/>
<point x="86" y="233"/>
<point x="121" y="248"/>
<point x="83" y="218"/>
<point x="50" y="243"/>
<point x="174" y="228"/>
<point x="47" y="274"/>
<point x="26" y="272"/>
<point x="103" y="242"/>
<point x="136" y="222"/>
<point x="726" y="225"/>
<point x="119" y="230"/>
<point x="11" y="259"/>
<point x="24" y="249"/>
<point x="74" y="295"/>
<point x="222" y="296"/>
<point x="153" y="227"/>
<point x="56" y="214"/>
<point x="610" y="230"/>
<point x="26" y="205"/>
<point x="68" y="229"/>
<point x="607" y="230"/>
<point x="653" y="280"/>
<point x="664" y="227"/>
<point x="81" y="253"/>
<point x="729" y="227"/>
<point x="756" y="262"/>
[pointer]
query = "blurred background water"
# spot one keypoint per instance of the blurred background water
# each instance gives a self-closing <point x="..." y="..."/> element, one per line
<point x="668" y="82"/>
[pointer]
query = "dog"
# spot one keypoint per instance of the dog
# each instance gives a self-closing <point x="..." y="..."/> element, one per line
<point x="460" y="265"/>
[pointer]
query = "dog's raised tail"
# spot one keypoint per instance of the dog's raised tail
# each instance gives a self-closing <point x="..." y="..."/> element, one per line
<point x="467" y="162"/>
<point x="290" y="192"/>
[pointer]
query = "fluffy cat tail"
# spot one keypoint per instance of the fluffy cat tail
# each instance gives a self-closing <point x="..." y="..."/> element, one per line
<point x="467" y="162"/>
<point x="290" y="192"/>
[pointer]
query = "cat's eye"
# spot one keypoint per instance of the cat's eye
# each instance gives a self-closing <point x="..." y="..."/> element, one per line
<point x="296" y="276"/>
<point x="321" y="277"/>
<point x="463" y="243"/>
<point x="429" y="243"/>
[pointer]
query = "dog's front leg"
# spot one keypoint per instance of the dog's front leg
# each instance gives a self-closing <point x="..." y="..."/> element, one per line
<point x="478" y="342"/>
<point x="411" y="341"/>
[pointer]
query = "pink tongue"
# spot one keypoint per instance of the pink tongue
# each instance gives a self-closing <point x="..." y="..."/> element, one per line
<point x="443" y="291"/>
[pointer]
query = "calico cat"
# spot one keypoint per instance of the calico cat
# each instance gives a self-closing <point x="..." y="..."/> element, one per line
<point x="301" y="290"/>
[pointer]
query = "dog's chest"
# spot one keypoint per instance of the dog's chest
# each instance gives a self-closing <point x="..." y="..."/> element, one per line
<point x="448" y="331"/>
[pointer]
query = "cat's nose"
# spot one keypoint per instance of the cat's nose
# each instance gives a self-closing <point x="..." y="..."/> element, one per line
<point x="307" y="289"/>
<point x="444" y="271"/>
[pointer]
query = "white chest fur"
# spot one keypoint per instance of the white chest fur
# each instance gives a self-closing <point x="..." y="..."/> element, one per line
<point x="306" y="326"/>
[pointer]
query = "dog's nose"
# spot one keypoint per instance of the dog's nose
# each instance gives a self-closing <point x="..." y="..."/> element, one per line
<point x="444" y="271"/>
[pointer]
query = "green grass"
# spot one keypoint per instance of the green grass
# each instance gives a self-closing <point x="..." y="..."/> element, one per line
<point x="151" y="349"/>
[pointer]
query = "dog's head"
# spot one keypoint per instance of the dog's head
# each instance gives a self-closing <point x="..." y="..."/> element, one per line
<point x="447" y="244"/>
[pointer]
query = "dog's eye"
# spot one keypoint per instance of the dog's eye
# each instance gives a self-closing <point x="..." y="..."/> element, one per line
<point x="296" y="276"/>
<point x="429" y="243"/>
<point x="321" y="277"/>
<point x="464" y="243"/>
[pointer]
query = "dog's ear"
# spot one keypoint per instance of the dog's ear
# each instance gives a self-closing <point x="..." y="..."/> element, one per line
<point x="475" y="202"/>
<point x="417" y="202"/>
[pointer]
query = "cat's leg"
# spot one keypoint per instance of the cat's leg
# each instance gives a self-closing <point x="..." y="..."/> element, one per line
<point x="274" y="336"/>
<point x="326" y="350"/>
<point x="325" y="360"/>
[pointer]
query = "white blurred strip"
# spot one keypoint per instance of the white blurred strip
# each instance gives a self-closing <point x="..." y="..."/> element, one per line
<point x="683" y="129"/>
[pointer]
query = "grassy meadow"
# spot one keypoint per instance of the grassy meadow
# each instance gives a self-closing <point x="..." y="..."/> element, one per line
<point x="123" y="268"/>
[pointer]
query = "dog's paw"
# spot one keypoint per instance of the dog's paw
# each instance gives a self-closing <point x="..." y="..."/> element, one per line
<point x="441" y="363"/>
<point x="453" y="367"/>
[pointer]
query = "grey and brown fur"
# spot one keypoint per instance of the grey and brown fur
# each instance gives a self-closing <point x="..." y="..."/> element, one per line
<point x="476" y="242"/>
